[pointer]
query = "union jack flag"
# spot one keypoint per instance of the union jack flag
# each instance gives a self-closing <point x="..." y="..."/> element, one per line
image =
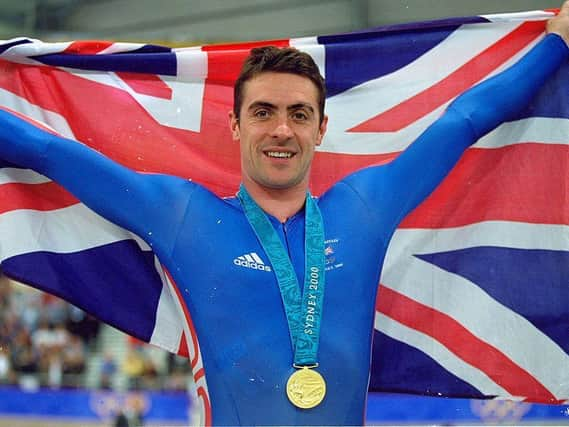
<point x="473" y="300"/>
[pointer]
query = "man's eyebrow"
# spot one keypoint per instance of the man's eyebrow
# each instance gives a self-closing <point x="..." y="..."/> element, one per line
<point x="264" y="104"/>
<point x="301" y="105"/>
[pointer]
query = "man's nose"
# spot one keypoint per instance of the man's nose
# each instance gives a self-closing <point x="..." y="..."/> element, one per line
<point x="282" y="129"/>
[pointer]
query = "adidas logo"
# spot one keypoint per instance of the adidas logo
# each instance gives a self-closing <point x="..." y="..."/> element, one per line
<point x="251" y="260"/>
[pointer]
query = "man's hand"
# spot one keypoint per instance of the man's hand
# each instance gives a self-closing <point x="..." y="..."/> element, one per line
<point x="560" y="23"/>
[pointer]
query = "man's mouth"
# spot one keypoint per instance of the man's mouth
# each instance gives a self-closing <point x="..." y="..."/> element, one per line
<point x="279" y="154"/>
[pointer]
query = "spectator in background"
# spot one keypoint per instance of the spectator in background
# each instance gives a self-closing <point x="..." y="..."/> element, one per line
<point x="61" y="336"/>
<point x="178" y="373"/>
<point x="51" y="367"/>
<point x="82" y="324"/>
<point x="44" y="336"/>
<point x="150" y="373"/>
<point x="25" y="360"/>
<point x="133" y="367"/>
<point x="54" y="309"/>
<point x="74" y="360"/>
<point x="121" y="420"/>
<point x="108" y="371"/>
<point x="6" y="373"/>
<point x="10" y="326"/>
<point x="5" y="293"/>
<point x="26" y="305"/>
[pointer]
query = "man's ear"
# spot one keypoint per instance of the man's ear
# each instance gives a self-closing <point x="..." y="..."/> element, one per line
<point x="322" y="130"/>
<point x="234" y="126"/>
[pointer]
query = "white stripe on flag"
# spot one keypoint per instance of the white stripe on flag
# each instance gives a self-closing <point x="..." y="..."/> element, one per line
<point x="488" y="233"/>
<point x="22" y="176"/>
<point x="543" y="130"/>
<point x="311" y="46"/>
<point x="169" y="324"/>
<point x="66" y="230"/>
<point x="23" y="106"/>
<point x="532" y="15"/>
<point x="120" y="47"/>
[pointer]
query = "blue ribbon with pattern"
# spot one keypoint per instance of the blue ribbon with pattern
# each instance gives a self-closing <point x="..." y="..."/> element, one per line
<point x="303" y="312"/>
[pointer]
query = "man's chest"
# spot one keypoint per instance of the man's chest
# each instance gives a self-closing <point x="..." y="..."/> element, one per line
<point x="226" y="277"/>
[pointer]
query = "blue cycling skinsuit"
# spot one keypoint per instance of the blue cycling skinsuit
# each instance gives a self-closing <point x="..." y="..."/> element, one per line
<point x="224" y="275"/>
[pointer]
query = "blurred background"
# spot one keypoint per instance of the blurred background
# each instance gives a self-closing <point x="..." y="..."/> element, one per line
<point x="61" y="367"/>
<point x="200" y="22"/>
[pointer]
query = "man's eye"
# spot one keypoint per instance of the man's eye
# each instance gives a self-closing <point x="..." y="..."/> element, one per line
<point x="299" y="115"/>
<point x="261" y="114"/>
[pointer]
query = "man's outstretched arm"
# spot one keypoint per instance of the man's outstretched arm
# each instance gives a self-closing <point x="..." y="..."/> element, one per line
<point x="413" y="175"/>
<point x="149" y="205"/>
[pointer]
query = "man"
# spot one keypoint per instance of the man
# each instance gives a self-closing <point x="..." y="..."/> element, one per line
<point x="284" y="328"/>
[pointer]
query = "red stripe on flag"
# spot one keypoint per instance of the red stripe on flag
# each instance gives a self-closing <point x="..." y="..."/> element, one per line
<point x="460" y="341"/>
<point x="41" y="197"/>
<point x="87" y="47"/>
<point x="225" y="61"/>
<point x="31" y="83"/>
<point x="183" y="346"/>
<point x="202" y="393"/>
<point x="523" y="182"/>
<point x="329" y="168"/>
<point x="418" y="106"/>
<point x="146" y="84"/>
<point x="199" y="374"/>
<point x="512" y="183"/>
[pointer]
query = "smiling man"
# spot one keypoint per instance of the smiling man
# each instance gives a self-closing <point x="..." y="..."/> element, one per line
<point x="280" y="286"/>
<point x="279" y="120"/>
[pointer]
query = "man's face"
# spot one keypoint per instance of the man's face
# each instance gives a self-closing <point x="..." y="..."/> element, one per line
<point x="278" y="129"/>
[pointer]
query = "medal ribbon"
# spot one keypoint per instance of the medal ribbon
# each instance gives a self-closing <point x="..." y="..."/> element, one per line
<point x="304" y="312"/>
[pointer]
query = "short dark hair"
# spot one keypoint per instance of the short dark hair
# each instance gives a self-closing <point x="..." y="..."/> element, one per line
<point x="279" y="60"/>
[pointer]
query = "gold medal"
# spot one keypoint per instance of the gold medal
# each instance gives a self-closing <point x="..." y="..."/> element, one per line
<point x="306" y="388"/>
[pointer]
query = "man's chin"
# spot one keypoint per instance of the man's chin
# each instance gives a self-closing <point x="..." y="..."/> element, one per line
<point x="280" y="183"/>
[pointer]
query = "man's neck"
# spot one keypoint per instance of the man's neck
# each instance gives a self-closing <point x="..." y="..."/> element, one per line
<point x="280" y="203"/>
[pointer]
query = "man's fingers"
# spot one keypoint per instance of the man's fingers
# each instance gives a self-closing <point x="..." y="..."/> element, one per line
<point x="559" y="24"/>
